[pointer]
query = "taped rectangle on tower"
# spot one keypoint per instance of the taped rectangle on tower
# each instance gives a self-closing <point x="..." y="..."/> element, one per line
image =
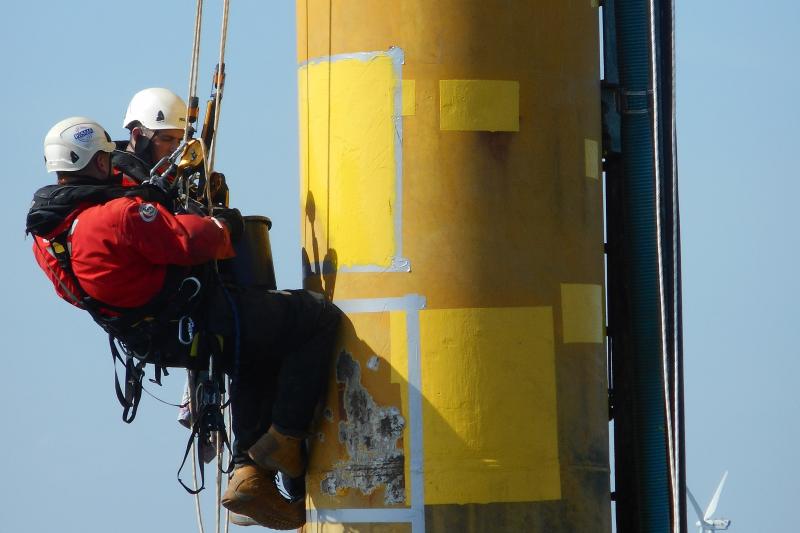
<point x="582" y="312"/>
<point x="350" y="108"/>
<point x="479" y="105"/>
<point x="489" y="405"/>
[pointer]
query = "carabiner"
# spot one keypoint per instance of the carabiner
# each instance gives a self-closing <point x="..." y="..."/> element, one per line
<point x="196" y="282"/>
<point x="186" y="324"/>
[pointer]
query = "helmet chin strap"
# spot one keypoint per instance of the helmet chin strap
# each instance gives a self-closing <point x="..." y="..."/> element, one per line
<point x="111" y="178"/>
<point x="142" y="148"/>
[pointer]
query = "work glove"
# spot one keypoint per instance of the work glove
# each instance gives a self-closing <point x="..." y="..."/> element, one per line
<point x="162" y="182"/>
<point x="219" y="188"/>
<point x="232" y="218"/>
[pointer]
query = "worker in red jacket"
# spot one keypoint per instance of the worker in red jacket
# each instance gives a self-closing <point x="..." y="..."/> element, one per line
<point x="141" y="272"/>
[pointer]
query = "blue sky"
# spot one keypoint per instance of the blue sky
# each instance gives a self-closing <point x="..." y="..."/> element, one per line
<point x="71" y="465"/>
<point x="738" y="126"/>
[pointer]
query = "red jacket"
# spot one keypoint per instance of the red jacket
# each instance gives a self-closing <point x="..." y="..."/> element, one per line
<point x="120" y="250"/>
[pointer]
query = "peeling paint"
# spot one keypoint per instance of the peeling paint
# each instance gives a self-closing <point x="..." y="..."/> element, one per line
<point x="370" y="433"/>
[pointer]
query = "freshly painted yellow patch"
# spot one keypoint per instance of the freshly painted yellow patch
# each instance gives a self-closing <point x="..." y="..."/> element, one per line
<point x="489" y="405"/>
<point x="399" y="360"/>
<point x="582" y="312"/>
<point x="347" y="155"/>
<point x="479" y="105"/>
<point x="409" y="97"/>
<point x="591" y="150"/>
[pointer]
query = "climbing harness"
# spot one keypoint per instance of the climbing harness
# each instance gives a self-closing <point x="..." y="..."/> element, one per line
<point x="132" y="332"/>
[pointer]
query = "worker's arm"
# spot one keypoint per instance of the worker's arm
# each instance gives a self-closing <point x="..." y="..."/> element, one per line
<point x="167" y="239"/>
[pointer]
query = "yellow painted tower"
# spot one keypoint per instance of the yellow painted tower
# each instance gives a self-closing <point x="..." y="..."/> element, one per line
<point x="452" y="207"/>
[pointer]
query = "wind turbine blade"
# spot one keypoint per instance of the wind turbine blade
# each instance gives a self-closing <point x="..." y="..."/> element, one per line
<point x="695" y="505"/>
<point x="712" y="507"/>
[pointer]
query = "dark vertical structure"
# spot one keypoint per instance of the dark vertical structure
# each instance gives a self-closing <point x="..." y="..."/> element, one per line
<point x="644" y="285"/>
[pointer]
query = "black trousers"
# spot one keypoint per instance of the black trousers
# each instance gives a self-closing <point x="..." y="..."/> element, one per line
<point x="286" y="341"/>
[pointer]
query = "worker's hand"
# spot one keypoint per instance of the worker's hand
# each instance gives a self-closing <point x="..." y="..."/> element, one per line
<point x="232" y="218"/>
<point x="162" y="182"/>
<point x="219" y="188"/>
<point x="193" y="207"/>
<point x="152" y="193"/>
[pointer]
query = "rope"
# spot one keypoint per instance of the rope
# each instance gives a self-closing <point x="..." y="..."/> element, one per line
<point x="228" y="427"/>
<point x="220" y="459"/>
<point x="234" y="379"/>
<point x="677" y="288"/>
<point x="153" y="396"/>
<point x="669" y="301"/>
<point x="208" y="162"/>
<point x="195" y="443"/>
<point x="198" y="18"/>
<point x="212" y="152"/>
<point x="196" y="496"/>
<point x="665" y="344"/>
<point x="193" y="414"/>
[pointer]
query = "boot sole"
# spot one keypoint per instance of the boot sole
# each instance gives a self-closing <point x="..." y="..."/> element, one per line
<point x="241" y="520"/>
<point x="264" y="517"/>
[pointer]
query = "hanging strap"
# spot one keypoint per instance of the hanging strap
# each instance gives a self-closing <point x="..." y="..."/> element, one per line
<point x="196" y="432"/>
<point x="134" y="373"/>
<point x="209" y="419"/>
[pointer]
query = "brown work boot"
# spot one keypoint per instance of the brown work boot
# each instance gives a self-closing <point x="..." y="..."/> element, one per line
<point x="252" y="492"/>
<point x="276" y="451"/>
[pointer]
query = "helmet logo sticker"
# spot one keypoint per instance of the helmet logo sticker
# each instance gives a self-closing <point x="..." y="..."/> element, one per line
<point x="148" y="212"/>
<point x="85" y="135"/>
<point x="73" y="156"/>
<point x="160" y="116"/>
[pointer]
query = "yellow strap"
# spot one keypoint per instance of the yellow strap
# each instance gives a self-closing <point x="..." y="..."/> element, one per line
<point x="195" y="342"/>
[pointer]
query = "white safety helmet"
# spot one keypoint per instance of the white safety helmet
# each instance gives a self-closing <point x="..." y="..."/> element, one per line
<point x="71" y="144"/>
<point x="156" y="109"/>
